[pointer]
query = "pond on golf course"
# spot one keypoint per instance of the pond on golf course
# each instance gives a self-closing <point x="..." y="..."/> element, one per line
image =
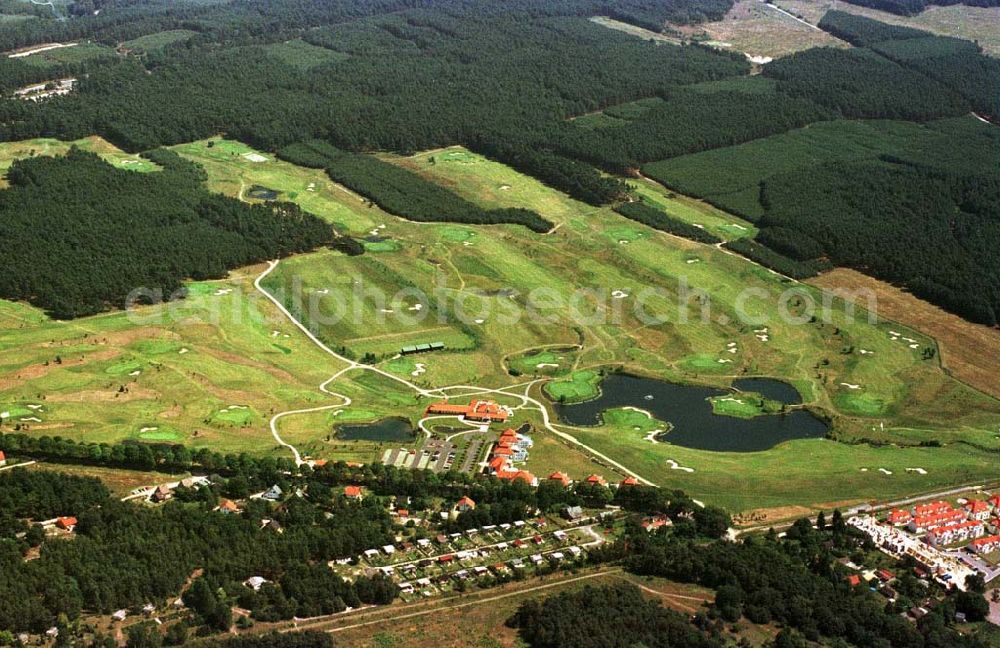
<point x="688" y="409"/>
<point x="386" y="430"/>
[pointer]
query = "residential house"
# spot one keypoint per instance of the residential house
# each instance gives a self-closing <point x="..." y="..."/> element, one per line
<point x="255" y="582"/>
<point x="465" y="504"/>
<point x="572" y="513"/>
<point x="597" y="479"/>
<point x="161" y="494"/>
<point x="561" y="477"/>
<point x="353" y="493"/>
<point x="978" y="510"/>
<point x="651" y="524"/>
<point x="986" y="545"/>
<point x="931" y="509"/>
<point x="952" y="533"/>
<point x="922" y="523"/>
<point x="629" y="481"/>
<point x="66" y="523"/>
<point x="228" y="507"/>
<point x="273" y="494"/>
<point x="899" y="517"/>
<point x="3" y="459"/>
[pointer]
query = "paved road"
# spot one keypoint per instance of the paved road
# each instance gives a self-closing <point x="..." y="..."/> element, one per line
<point x="440" y="392"/>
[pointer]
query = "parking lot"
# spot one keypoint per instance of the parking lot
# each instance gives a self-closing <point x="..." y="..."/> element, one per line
<point x="464" y="453"/>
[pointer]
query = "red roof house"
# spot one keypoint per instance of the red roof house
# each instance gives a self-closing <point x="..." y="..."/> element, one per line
<point x="353" y="492"/>
<point x="629" y="481"/>
<point x="66" y="523"/>
<point x="596" y="479"/>
<point x="853" y="580"/>
<point x="465" y="504"/>
<point x="561" y="477"/>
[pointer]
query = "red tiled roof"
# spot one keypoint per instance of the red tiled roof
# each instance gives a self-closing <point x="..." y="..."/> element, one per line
<point x="596" y="479"/>
<point x="560" y="477"/>
<point x="502" y="451"/>
<point x="630" y="481"/>
<point x="3" y="457"/>
<point x="352" y="491"/>
<point x="988" y="540"/>
<point x="854" y="580"/>
<point x="899" y="516"/>
<point x="228" y="505"/>
<point x="66" y="522"/>
<point x="977" y="506"/>
<point x="931" y="509"/>
<point x="466" y="501"/>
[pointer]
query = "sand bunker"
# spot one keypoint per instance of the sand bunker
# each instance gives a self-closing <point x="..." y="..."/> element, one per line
<point x="919" y="471"/>
<point x="254" y="157"/>
<point x="676" y="466"/>
<point x="884" y="471"/>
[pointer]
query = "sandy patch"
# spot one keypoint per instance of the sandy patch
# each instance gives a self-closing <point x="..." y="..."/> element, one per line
<point x="676" y="466"/>
<point x="254" y="157"/>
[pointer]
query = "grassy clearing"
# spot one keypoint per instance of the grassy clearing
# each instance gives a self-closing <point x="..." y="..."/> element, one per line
<point x="76" y="54"/>
<point x="303" y="55"/>
<point x="11" y="151"/>
<point x="755" y="29"/>
<point x="159" y="40"/>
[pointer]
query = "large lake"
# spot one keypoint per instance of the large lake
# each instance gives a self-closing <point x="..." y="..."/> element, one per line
<point x="694" y="424"/>
<point x="387" y="430"/>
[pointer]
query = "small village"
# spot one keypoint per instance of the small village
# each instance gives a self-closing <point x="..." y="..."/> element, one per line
<point x="950" y="542"/>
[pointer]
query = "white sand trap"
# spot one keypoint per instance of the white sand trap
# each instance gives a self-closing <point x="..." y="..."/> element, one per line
<point x="387" y="310"/>
<point x="761" y="330"/>
<point x="466" y="244"/>
<point x="698" y="502"/>
<point x="275" y="333"/>
<point x="31" y="419"/>
<point x="420" y="370"/>
<point x="619" y="294"/>
<point x="739" y="227"/>
<point x="504" y="187"/>
<point x="762" y="337"/>
<point x="914" y="346"/>
<point x="286" y="335"/>
<point x="651" y="437"/>
<point x="691" y="261"/>
<point x="480" y="321"/>
<point x="325" y="291"/>
<point x="864" y="470"/>
<point x="676" y="466"/>
<point x="34" y="408"/>
<point x="884" y="471"/>
<point x="919" y="471"/>
<point x="416" y="307"/>
<point x="698" y="225"/>
<point x="223" y="291"/>
<point x="723" y="360"/>
<point x="731" y="344"/>
<point x="237" y="407"/>
<point x="759" y="60"/>
<point x="622" y="242"/>
<point x="733" y="350"/>
<point x="374" y="232"/>
<point x="148" y="429"/>
<point x="255" y="157"/>
<point x="895" y="333"/>
<point x="648" y="397"/>
<point x="894" y="338"/>
<point x="136" y="372"/>
<point x="546" y="365"/>
<point x="4" y="414"/>
<point x="909" y="339"/>
<point x="865" y="352"/>
<point x="851" y="386"/>
<point x="381" y="226"/>
<point x="730" y="399"/>
<point x="183" y="351"/>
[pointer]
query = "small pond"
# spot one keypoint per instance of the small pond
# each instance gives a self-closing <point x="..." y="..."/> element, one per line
<point x="258" y="192"/>
<point x="687" y="408"/>
<point x="387" y="430"/>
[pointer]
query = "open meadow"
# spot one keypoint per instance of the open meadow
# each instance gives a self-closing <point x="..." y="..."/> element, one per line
<point x="222" y="362"/>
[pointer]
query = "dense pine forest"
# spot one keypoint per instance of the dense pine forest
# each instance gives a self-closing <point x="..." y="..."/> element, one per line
<point x="508" y="80"/>
<point x="79" y="235"/>
<point x="914" y="7"/>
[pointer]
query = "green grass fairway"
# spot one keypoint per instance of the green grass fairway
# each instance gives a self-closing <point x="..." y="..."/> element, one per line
<point x="481" y="283"/>
<point x="744" y="405"/>
<point x="579" y="386"/>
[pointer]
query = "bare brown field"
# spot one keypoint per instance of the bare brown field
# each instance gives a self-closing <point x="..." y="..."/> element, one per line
<point x="479" y="620"/>
<point x="970" y="352"/>
<point x="973" y="23"/>
<point x="119" y="481"/>
<point x="761" y="31"/>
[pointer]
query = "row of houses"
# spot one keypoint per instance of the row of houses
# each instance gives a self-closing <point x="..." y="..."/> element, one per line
<point x="596" y="480"/>
<point x="510" y="447"/>
<point x="934" y="515"/>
